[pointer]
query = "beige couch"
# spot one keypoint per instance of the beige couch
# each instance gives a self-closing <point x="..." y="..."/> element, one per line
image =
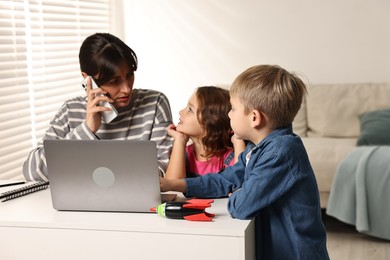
<point x="328" y="123"/>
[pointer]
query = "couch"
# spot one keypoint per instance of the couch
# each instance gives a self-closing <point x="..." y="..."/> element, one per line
<point x="329" y="123"/>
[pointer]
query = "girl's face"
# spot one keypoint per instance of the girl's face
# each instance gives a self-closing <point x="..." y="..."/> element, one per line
<point x="188" y="121"/>
<point x="120" y="87"/>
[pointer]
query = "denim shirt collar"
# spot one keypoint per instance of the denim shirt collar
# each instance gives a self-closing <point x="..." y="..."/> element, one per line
<point x="251" y="147"/>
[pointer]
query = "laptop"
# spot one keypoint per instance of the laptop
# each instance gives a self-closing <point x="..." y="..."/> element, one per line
<point x="103" y="175"/>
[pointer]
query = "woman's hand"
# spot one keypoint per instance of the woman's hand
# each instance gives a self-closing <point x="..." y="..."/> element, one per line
<point x="93" y="118"/>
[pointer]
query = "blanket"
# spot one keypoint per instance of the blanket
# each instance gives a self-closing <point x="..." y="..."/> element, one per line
<point x="360" y="193"/>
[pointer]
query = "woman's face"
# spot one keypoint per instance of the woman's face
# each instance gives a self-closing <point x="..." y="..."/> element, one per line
<point x="120" y="87"/>
<point x="188" y="122"/>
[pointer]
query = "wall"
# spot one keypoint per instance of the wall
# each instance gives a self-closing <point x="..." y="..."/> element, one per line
<point x="185" y="44"/>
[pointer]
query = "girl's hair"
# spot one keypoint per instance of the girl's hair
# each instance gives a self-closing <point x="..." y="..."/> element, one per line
<point x="271" y="90"/>
<point x="103" y="54"/>
<point x="212" y="114"/>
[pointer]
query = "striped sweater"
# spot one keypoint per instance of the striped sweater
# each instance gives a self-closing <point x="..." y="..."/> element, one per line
<point x="145" y="118"/>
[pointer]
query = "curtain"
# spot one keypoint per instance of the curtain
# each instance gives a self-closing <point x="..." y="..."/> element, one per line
<point x="39" y="69"/>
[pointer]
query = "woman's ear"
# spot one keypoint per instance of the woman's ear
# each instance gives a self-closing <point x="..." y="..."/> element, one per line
<point x="84" y="74"/>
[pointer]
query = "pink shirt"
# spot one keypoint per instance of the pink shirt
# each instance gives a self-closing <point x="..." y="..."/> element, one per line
<point x="214" y="165"/>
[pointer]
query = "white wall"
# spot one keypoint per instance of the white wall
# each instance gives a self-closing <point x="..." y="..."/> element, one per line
<point x="183" y="44"/>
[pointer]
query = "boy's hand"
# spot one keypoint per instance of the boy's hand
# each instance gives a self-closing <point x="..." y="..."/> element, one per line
<point x="238" y="145"/>
<point x="231" y="193"/>
<point x="237" y="142"/>
<point x="172" y="185"/>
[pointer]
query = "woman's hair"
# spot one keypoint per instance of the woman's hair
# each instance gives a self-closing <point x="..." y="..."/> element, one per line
<point x="103" y="54"/>
<point x="212" y="114"/>
<point x="271" y="90"/>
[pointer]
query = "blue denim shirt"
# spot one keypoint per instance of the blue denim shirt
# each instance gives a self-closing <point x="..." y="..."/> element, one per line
<point x="277" y="187"/>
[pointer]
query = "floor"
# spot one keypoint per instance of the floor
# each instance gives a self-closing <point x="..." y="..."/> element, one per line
<point x="345" y="243"/>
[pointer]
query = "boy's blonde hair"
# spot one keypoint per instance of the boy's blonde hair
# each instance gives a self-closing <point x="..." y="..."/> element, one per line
<point x="271" y="90"/>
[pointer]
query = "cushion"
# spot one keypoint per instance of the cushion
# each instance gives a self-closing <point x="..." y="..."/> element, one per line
<point x="333" y="109"/>
<point x="375" y="128"/>
<point x="300" y="121"/>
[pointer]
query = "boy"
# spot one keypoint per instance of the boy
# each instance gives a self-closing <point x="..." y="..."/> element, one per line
<point x="273" y="181"/>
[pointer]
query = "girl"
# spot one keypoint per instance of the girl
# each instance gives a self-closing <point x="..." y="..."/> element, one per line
<point x="205" y="121"/>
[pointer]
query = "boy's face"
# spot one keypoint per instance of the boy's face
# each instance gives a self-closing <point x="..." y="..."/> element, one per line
<point x="239" y="120"/>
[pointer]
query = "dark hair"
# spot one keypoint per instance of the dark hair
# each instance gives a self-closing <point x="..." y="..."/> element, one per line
<point x="214" y="106"/>
<point x="102" y="54"/>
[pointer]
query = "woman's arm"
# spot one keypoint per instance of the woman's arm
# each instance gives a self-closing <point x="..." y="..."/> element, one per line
<point x="162" y="119"/>
<point x="35" y="168"/>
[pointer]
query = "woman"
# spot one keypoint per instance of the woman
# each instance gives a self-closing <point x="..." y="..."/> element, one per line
<point x="143" y="114"/>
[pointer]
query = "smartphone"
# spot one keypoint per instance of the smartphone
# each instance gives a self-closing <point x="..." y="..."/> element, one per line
<point x="107" y="116"/>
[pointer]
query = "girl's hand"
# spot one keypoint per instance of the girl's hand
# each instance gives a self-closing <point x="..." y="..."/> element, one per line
<point x="164" y="184"/>
<point x="177" y="136"/>
<point x="93" y="116"/>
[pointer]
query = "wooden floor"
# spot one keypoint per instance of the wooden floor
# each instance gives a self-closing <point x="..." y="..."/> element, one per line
<point x="345" y="243"/>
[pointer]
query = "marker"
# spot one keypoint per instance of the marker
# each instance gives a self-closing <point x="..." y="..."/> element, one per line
<point x="193" y="209"/>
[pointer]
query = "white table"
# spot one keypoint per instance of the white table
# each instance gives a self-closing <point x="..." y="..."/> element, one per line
<point x="31" y="229"/>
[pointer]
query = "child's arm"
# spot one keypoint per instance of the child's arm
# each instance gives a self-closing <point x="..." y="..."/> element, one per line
<point x="177" y="162"/>
<point x="172" y="185"/>
<point x="238" y="145"/>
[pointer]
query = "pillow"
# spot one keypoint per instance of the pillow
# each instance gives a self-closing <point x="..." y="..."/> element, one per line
<point x="375" y="128"/>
